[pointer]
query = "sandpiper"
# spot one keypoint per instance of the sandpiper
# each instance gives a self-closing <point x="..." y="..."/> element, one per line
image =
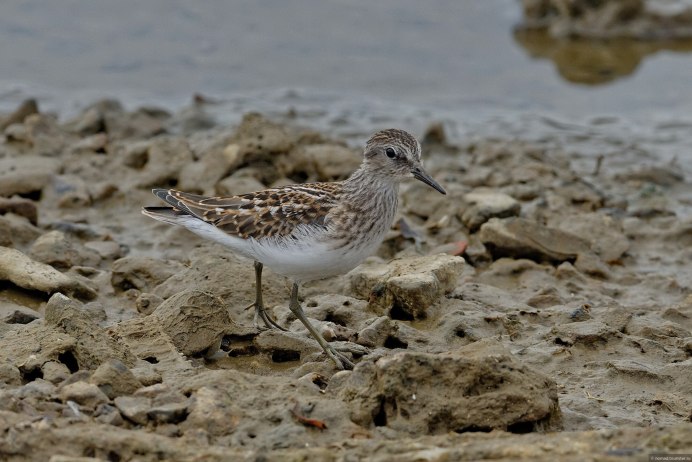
<point x="306" y="231"/>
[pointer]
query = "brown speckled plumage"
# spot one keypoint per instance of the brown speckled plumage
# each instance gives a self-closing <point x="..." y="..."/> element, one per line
<point x="268" y="213"/>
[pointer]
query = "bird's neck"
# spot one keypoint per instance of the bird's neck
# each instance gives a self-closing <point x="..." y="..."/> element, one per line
<point x="364" y="186"/>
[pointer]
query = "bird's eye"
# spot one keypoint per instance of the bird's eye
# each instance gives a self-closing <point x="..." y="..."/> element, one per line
<point x="391" y="153"/>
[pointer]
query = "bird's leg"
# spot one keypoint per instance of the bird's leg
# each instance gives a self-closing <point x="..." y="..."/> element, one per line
<point x="260" y="311"/>
<point x="342" y="362"/>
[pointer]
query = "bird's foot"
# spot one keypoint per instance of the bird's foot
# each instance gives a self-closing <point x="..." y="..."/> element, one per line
<point x="341" y="361"/>
<point x="341" y="347"/>
<point x="350" y="347"/>
<point x="262" y="314"/>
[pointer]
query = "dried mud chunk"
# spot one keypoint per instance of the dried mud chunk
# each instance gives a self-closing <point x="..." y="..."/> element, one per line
<point x="376" y="333"/>
<point x="285" y="346"/>
<point x="16" y="231"/>
<point x="146" y="303"/>
<point x="148" y="341"/>
<point x="481" y="386"/>
<point x="55" y="372"/>
<point x="29" y="347"/>
<point x="204" y="173"/>
<point x="172" y="412"/>
<point x="486" y="204"/>
<point x="44" y="134"/>
<point x="10" y="375"/>
<point x="107" y="250"/>
<point x="407" y="288"/>
<point x="24" y="272"/>
<point x="234" y="185"/>
<point x="159" y="161"/>
<point x="86" y="394"/>
<point x="587" y="333"/>
<point x="320" y="162"/>
<point x="24" y="110"/>
<point x="213" y="410"/>
<point x="520" y="238"/>
<point x="11" y="313"/>
<point x="656" y="174"/>
<point x="637" y="371"/>
<point x="258" y="136"/>
<point x="55" y="249"/>
<point x="141" y="273"/>
<point x="26" y="175"/>
<point x="134" y="408"/>
<point x="115" y="379"/>
<point x="93" y="345"/>
<point x="195" y="321"/>
<point x="19" y="206"/>
<point x="603" y="233"/>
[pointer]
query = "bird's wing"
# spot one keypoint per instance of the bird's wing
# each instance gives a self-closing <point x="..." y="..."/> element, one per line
<point x="267" y="213"/>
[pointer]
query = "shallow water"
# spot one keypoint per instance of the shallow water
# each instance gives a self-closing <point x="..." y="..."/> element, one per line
<point x="462" y="56"/>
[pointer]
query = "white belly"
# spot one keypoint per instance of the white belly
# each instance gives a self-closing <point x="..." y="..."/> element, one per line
<point x="302" y="262"/>
<point x="306" y="258"/>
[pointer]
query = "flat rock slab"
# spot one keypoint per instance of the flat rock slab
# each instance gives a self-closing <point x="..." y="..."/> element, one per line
<point x="486" y="204"/>
<point x="26" y="174"/>
<point x="521" y="238"/>
<point x="24" y="272"/>
<point x="478" y="387"/>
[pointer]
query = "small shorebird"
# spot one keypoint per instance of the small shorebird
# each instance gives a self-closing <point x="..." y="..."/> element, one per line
<point x="306" y="231"/>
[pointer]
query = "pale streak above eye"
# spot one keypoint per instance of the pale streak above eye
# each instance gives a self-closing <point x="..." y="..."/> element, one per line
<point x="219" y="209"/>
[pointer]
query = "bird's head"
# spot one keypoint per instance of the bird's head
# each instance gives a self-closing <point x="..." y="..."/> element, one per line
<point x="396" y="154"/>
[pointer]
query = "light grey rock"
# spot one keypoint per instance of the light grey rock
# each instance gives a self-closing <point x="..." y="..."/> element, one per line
<point x="85" y="394"/>
<point x="521" y="238"/>
<point x="56" y="249"/>
<point x="134" y="408"/>
<point x="107" y="250"/>
<point x="24" y="272"/>
<point x="115" y="379"/>
<point x="9" y="374"/>
<point x="482" y="205"/>
<point x="55" y="372"/>
<point x="25" y="175"/>
<point x="173" y="412"/>
<point x="406" y="288"/>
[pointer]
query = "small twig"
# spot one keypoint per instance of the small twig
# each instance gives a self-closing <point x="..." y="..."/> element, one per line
<point x="599" y="162"/>
<point x="590" y="396"/>
<point x="316" y="423"/>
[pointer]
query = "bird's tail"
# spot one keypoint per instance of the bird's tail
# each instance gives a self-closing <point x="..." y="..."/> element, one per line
<point x="165" y="214"/>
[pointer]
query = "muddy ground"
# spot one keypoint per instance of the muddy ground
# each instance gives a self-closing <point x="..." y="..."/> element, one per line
<point x="533" y="313"/>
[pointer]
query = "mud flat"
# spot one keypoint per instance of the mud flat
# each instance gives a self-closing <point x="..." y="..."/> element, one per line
<point x="536" y="312"/>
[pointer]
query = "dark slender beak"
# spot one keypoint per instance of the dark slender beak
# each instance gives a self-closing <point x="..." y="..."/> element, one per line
<point x="420" y="174"/>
